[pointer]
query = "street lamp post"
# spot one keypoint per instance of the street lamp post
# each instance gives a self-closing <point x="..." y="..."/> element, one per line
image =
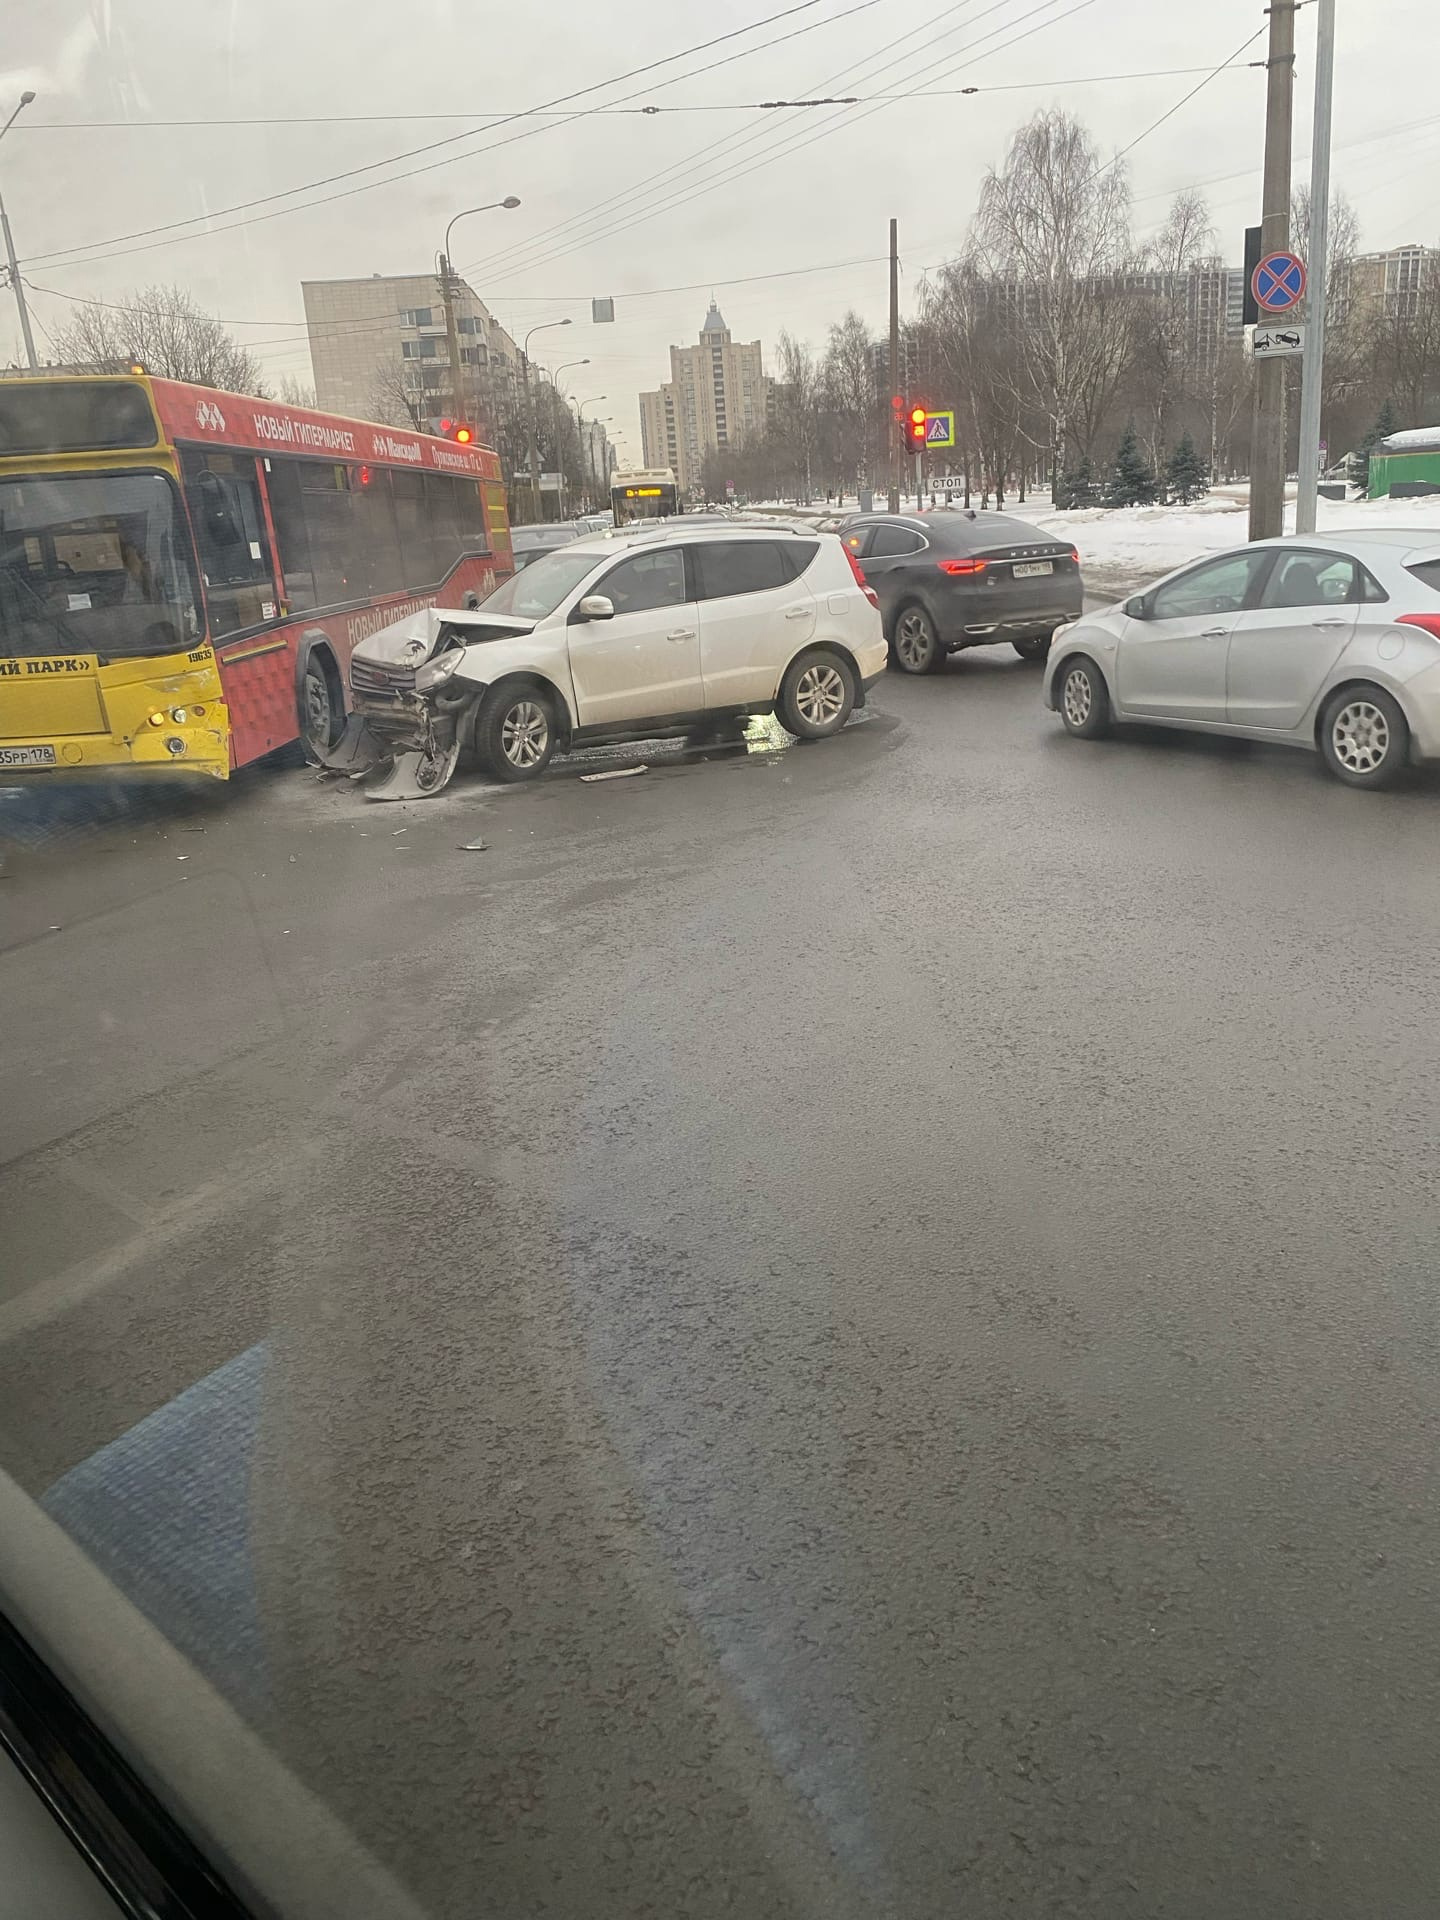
<point x="530" y="407"/>
<point x="580" y="406"/>
<point x="447" y="294"/>
<point x="16" y="282"/>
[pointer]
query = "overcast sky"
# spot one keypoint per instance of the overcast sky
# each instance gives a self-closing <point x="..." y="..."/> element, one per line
<point x="714" y="196"/>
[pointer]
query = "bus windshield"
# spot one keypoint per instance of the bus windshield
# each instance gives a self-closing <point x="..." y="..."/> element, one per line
<point x="94" y="563"/>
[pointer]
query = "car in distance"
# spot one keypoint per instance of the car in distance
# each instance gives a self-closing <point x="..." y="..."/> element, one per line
<point x="674" y="629"/>
<point x="1330" y="643"/>
<point x="952" y="579"/>
<point x="529" y="542"/>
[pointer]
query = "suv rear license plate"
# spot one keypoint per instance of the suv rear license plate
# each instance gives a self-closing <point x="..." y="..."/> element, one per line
<point x="1028" y="569"/>
<point x="27" y="756"/>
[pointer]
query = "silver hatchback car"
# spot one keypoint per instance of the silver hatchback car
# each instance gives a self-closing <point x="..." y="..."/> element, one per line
<point x="1331" y="643"/>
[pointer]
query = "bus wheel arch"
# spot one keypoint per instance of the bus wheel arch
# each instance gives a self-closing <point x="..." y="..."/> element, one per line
<point x="319" y="693"/>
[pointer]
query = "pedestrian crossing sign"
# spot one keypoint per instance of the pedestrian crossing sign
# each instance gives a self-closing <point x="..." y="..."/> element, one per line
<point x="940" y="429"/>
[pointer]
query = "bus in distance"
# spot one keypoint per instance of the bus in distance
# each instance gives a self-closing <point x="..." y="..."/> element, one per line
<point x="184" y="572"/>
<point x="649" y="493"/>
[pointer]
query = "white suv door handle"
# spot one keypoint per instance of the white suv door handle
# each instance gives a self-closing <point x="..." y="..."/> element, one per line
<point x="1329" y="623"/>
<point x="796" y="613"/>
<point x="681" y="633"/>
<point x="1214" y="633"/>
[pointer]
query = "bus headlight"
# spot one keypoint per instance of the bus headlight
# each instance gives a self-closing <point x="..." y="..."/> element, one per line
<point x="158" y="719"/>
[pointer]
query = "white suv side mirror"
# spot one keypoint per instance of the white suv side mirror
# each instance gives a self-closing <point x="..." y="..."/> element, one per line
<point x="596" y="606"/>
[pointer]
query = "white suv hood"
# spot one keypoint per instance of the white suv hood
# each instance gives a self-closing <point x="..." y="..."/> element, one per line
<point x="411" y="641"/>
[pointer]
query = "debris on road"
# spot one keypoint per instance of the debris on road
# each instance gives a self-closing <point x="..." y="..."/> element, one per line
<point x="615" y="773"/>
<point x="474" y="846"/>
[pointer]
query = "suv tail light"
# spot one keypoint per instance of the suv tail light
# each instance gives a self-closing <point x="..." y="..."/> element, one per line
<point x="963" y="566"/>
<point x="860" y="580"/>
<point x="1429" y="621"/>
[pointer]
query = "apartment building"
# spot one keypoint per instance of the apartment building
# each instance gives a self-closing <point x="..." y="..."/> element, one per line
<point x="379" y="351"/>
<point x="1391" y="282"/>
<point x="718" y="394"/>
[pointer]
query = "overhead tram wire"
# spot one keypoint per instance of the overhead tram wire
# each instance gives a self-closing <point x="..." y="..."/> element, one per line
<point x="378" y="323"/>
<point x="538" y="113"/>
<point x="506" y="256"/>
<point x="790" y="140"/>
<point x="521" y="256"/>
<point x="87" y="248"/>
<point x="789" y="144"/>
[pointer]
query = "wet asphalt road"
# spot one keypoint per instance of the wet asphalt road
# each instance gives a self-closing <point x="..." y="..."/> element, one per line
<point x="849" y="1331"/>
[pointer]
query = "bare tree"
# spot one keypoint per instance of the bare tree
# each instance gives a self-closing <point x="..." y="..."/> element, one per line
<point x="392" y="402"/>
<point x="163" y="330"/>
<point x="973" y="325"/>
<point x="1170" y="356"/>
<point x="1350" y="323"/>
<point x="798" y="408"/>
<point x="295" y="393"/>
<point x="850" y="399"/>
<point x="1055" y="220"/>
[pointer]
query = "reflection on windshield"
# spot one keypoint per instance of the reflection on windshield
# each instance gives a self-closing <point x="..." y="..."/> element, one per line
<point x="94" y="564"/>
<point x="542" y="586"/>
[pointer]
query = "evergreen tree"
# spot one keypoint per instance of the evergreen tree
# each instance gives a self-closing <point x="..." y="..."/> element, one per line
<point x="1131" y="483"/>
<point x="1186" y="476"/>
<point x="1358" y="469"/>
<point x="1076" y="486"/>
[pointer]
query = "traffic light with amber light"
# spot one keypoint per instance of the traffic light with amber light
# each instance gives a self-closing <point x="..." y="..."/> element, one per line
<point x="915" y="426"/>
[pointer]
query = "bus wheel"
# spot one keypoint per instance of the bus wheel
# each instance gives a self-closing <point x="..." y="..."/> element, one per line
<point x="322" y="710"/>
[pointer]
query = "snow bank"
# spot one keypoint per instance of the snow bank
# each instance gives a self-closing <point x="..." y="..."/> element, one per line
<point x="1138" y="544"/>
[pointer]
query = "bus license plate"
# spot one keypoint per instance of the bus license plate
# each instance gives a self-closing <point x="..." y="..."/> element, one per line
<point x="1028" y="569"/>
<point x="27" y="756"/>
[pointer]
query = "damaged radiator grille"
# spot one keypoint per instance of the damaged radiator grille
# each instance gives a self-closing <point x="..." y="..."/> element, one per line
<point x="388" y="682"/>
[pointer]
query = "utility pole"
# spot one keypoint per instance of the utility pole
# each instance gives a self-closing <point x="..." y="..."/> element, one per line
<point x="1314" y="361"/>
<point x="452" y="336"/>
<point x="1267" y="453"/>
<point x="894" y="411"/>
<point x="16" y="282"/>
<point x="534" y="443"/>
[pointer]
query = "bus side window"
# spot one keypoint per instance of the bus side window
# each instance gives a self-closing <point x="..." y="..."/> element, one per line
<point x="375" y="530"/>
<point x="409" y="497"/>
<point x="292" y="538"/>
<point x="223" y="493"/>
<point x="448" y="537"/>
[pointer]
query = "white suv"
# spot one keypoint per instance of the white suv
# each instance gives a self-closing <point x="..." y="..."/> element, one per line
<point x="662" y="630"/>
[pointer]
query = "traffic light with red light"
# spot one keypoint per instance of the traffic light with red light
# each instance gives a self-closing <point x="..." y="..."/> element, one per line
<point x="456" y="430"/>
<point x="916" y="426"/>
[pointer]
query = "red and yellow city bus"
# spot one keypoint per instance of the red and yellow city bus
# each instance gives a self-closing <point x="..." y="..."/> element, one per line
<point x="184" y="572"/>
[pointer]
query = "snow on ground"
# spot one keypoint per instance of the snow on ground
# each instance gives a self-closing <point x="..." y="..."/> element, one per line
<point x="1133" y="545"/>
<point x="1124" y="548"/>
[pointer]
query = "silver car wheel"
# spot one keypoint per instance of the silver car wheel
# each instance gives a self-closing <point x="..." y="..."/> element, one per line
<point x="914" y="642"/>
<point x="1078" y="697"/>
<point x="820" y="694"/>
<point x="524" y="734"/>
<point x="1360" y="735"/>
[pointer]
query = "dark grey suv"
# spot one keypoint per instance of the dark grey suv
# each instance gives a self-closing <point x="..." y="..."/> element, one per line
<point x="948" y="579"/>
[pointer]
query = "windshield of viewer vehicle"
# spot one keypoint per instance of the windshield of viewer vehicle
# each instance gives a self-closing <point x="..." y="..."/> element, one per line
<point x="94" y="565"/>
<point x="775" y="1256"/>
